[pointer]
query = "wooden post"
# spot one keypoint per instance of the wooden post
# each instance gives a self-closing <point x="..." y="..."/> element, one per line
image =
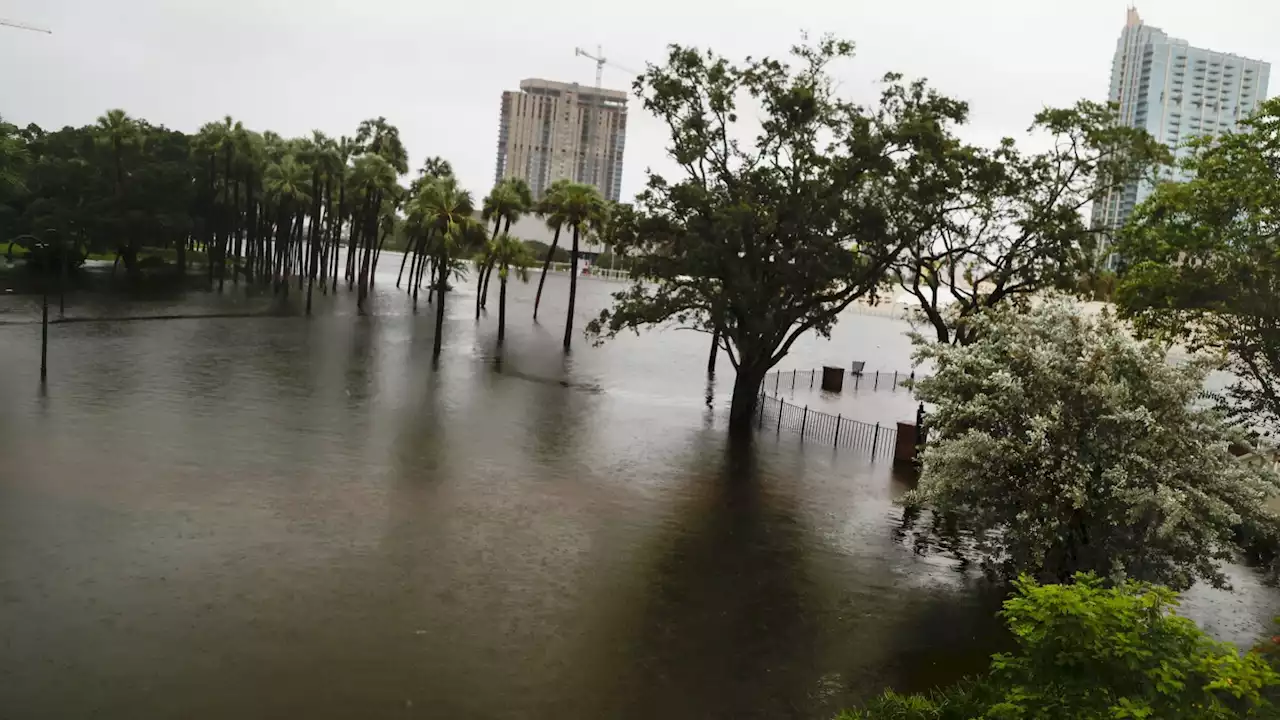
<point x="776" y="377"/>
<point x="793" y="379"/>
<point x="812" y="373"/>
<point x="856" y="379"/>
<point x="877" y="385"/>
<point x="895" y="379"/>
<point x="804" y="422"/>
<point x="836" y="442"/>
<point x="875" y="441"/>
<point x="761" y="409"/>
<point x="780" y="406"/>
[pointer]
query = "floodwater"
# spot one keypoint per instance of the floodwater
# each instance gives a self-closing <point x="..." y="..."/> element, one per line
<point x="290" y="517"/>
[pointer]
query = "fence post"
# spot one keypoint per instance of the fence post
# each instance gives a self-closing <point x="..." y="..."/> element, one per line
<point x="836" y="442"/>
<point x="762" y="399"/>
<point x="856" y="379"/>
<point x="804" y="422"/>
<point x="776" y="377"/>
<point x="913" y="376"/>
<point x="875" y="441"/>
<point x="811" y="374"/>
<point x="877" y="385"/>
<point x="793" y="379"/>
<point x="781" y="405"/>
<point x="895" y="379"/>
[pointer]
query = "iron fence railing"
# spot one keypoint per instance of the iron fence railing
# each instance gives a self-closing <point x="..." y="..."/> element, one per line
<point x="780" y="380"/>
<point x="777" y="414"/>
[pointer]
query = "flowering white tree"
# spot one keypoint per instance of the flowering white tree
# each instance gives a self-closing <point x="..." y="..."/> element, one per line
<point x="1067" y="446"/>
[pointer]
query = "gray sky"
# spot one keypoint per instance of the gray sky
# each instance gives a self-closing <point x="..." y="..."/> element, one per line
<point x="436" y="69"/>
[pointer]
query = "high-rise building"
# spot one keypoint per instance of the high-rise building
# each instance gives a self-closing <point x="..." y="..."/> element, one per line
<point x="550" y="131"/>
<point x="1175" y="92"/>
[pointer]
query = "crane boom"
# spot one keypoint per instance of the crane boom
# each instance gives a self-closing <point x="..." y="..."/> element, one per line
<point x="22" y="26"/>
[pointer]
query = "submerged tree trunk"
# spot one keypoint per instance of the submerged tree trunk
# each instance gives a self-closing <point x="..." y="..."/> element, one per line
<point x="715" y="348"/>
<point x="573" y="291"/>
<point x="438" y="342"/>
<point x="546" y="263"/>
<point x="502" y="305"/>
<point x="746" y="395"/>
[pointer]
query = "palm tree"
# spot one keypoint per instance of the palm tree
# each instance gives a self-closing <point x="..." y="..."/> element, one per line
<point x="117" y="130"/>
<point x="509" y="254"/>
<point x="549" y="209"/>
<point x="583" y="209"/>
<point x="509" y="200"/>
<point x="445" y="213"/>
<point x="375" y="178"/>
<point x="286" y="184"/>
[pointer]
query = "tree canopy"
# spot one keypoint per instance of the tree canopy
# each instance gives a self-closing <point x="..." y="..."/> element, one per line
<point x="1018" y="228"/>
<point x="1202" y="262"/>
<point x="763" y="239"/>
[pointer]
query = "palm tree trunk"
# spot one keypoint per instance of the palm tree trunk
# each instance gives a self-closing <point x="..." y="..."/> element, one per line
<point x="480" y="266"/>
<point x="440" y="282"/>
<point x="488" y="268"/>
<point x="546" y="263"/>
<point x="408" y="250"/>
<point x="573" y="291"/>
<point x="502" y="305"/>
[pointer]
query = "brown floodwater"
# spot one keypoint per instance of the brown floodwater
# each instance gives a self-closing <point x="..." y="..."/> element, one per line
<point x="289" y="517"/>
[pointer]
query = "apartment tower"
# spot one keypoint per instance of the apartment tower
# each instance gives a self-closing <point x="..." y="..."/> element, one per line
<point x="1175" y="92"/>
<point x="550" y="131"/>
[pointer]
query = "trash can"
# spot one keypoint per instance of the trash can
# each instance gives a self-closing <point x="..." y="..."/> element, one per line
<point x="832" y="378"/>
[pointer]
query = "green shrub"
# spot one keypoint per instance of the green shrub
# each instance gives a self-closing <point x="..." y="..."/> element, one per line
<point x="1088" y="652"/>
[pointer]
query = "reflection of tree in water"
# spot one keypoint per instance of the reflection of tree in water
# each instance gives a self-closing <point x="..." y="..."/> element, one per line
<point x="726" y="630"/>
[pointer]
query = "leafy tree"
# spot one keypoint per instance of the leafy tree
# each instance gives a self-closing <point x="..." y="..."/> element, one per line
<point x="550" y="209"/>
<point x="509" y="255"/>
<point x="1203" y="263"/>
<point x="1018" y="228"/>
<point x="583" y="209"/>
<point x="1090" y="652"/>
<point x="1067" y="446"/>
<point x="765" y="240"/>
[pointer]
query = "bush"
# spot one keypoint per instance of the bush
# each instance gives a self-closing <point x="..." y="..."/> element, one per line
<point x="1067" y="446"/>
<point x="1089" y="652"/>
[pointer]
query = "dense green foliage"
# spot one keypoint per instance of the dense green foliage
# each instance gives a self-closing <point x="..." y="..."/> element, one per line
<point x="1203" y="262"/>
<point x="1067" y="446"/>
<point x="1086" y="651"/>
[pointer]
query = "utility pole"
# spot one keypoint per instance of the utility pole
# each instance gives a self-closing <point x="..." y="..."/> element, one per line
<point x="22" y="26"/>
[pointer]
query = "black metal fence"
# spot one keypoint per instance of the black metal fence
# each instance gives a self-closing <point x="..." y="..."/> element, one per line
<point x="776" y="414"/>
<point x="780" y="380"/>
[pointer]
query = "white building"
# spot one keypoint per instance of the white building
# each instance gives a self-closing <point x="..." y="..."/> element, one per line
<point x="1176" y="92"/>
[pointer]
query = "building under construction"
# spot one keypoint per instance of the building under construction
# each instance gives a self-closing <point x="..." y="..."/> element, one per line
<point x="550" y="131"/>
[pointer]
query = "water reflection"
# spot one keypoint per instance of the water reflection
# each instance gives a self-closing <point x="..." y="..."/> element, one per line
<point x="281" y="516"/>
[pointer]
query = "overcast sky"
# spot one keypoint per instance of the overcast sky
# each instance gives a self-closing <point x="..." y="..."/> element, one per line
<point x="437" y="69"/>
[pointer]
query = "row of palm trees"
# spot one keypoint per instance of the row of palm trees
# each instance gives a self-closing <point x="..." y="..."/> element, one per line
<point x="275" y="210"/>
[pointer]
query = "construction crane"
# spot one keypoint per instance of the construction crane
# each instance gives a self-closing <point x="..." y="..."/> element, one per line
<point x="601" y="61"/>
<point x="22" y="26"/>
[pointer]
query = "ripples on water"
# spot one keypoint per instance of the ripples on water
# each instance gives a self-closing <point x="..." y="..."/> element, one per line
<point x="279" y="516"/>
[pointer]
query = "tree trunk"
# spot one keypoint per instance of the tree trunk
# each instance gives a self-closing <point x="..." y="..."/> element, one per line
<point x="715" y="348"/>
<point x="439" y="339"/>
<point x="484" y="293"/>
<point x="546" y="263"/>
<point x="480" y="266"/>
<point x="502" y="305"/>
<point x="573" y="291"/>
<point x="746" y="394"/>
<point x="408" y="250"/>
